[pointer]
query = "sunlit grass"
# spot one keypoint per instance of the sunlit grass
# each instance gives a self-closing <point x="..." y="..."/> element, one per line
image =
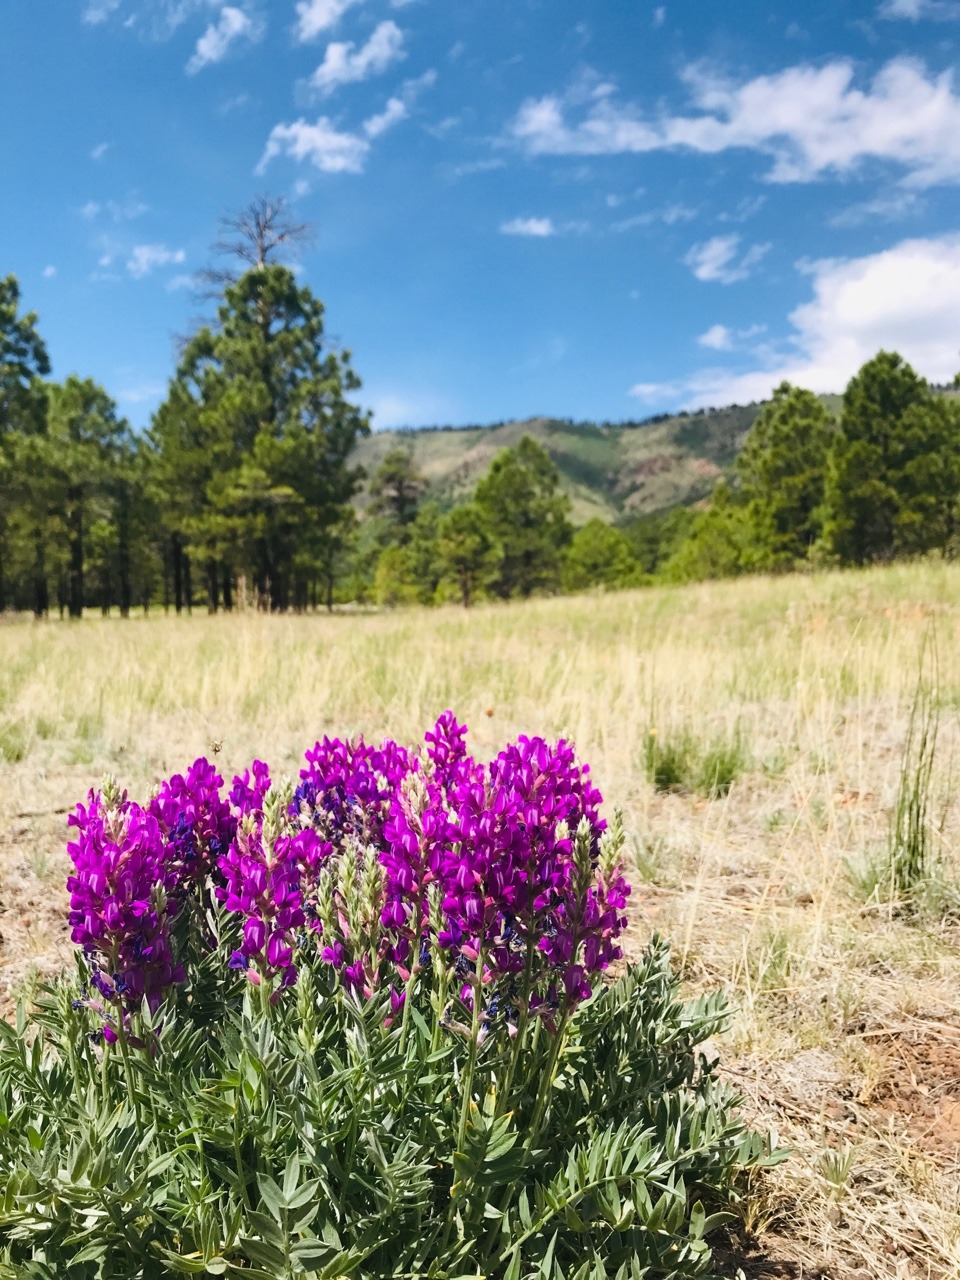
<point x="790" y="698"/>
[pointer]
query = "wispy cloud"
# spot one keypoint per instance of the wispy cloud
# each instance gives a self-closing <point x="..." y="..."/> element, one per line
<point x="888" y="208"/>
<point x="810" y="120"/>
<point x="718" y="338"/>
<point x="669" y="215"/>
<point x="718" y="260"/>
<point x="344" y="63"/>
<point x="905" y="298"/>
<point x="330" y="149"/>
<point x="232" y="25"/>
<point x="145" y="258"/>
<point x="99" y="151"/>
<point x="914" y="10"/>
<point x="398" y="107"/>
<point x="97" y="11"/>
<point x="49" y="272"/>
<point x="488" y="165"/>
<point x="316" y="16"/>
<point x="539" y="228"/>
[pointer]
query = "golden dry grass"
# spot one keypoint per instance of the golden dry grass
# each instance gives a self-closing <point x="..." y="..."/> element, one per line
<point x="845" y="1034"/>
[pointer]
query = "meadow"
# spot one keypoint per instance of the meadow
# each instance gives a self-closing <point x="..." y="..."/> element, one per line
<point x="773" y="713"/>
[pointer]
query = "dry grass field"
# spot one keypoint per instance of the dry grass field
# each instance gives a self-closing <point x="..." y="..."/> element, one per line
<point x="845" y="1035"/>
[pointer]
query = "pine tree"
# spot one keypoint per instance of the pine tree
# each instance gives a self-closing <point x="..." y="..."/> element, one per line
<point x="88" y="445"/>
<point x="469" y="551"/>
<point x="599" y="556"/>
<point x="259" y="406"/>
<point x="892" y="480"/>
<point x="782" y="469"/>
<point x="526" y="510"/>
<point x="396" y="489"/>
<point x="23" y="364"/>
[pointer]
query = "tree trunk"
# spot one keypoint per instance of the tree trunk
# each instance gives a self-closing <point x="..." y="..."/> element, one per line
<point x="123" y="550"/>
<point x="188" y="582"/>
<point x="176" y="552"/>
<point x="3" y="557"/>
<point x="213" y="587"/>
<point x="227" y="579"/>
<point x="41" y="594"/>
<point x="75" y="497"/>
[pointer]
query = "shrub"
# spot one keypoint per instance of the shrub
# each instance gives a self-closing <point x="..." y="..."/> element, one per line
<point x="361" y="1029"/>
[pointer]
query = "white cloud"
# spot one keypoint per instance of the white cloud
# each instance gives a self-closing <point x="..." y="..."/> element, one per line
<point x="49" y="272"/>
<point x="395" y="111"/>
<point x="330" y="149"/>
<point x="718" y="338"/>
<point x="891" y="206"/>
<point x="398" y="107"/>
<point x="655" y="390"/>
<point x="119" y="210"/>
<point x="343" y="63"/>
<point x="914" y="10"/>
<point x="488" y="165"/>
<point x="905" y="298"/>
<point x="659" y="16"/>
<point x="232" y="25"/>
<point x="536" y="227"/>
<point x="719" y="260"/>
<point x="670" y="215"/>
<point x="98" y="11"/>
<point x="175" y="283"/>
<point x="100" y="150"/>
<point x="317" y="16"/>
<point x="810" y="120"/>
<point x="144" y="258"/>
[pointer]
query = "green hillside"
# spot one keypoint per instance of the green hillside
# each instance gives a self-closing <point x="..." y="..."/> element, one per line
<point x="612" y="471"/>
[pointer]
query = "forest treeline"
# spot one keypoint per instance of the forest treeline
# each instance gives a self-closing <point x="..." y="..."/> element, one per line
<point x="878" y="481"/>
<point x="241" y="490"/>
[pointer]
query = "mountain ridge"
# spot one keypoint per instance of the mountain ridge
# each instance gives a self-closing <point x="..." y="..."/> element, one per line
<point x="611" y="470"/>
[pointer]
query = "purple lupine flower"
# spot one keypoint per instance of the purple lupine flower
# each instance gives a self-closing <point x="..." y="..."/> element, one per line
<point x="262" y="884"/>
<point x="123" y="900"/>
<point x="249" y="788"/>
<point x="346" y="787"/>
<point x="195" y="819"/>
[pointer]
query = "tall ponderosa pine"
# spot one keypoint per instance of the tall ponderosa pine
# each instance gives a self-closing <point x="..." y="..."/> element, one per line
<point x="469" y="552"/>
<point x="396" y="489"/>
<point x="259" y="405"/>
<point x="90" y="447"/>
<point x="892" y="481"/>
<point x="781" y="469"/>
<point x="520" y="497"/>
<point x="23" y="364"/>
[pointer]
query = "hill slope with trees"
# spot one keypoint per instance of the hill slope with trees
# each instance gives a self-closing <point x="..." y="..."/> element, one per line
<point x="612" y="470"/>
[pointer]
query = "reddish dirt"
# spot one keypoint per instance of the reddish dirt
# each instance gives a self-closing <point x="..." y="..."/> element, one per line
<point x="921" y="1089"/>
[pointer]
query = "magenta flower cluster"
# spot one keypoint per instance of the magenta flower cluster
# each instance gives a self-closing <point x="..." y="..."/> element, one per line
<point x="385" y="862"/>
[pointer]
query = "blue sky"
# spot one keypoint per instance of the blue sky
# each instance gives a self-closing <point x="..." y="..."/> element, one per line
<point x="599" y="210"/>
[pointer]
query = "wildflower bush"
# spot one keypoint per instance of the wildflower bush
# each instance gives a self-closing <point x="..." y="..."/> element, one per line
<point x="361" y="1028"/>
